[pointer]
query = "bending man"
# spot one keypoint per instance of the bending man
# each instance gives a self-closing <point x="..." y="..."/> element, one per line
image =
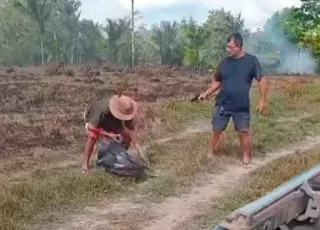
<point x="234" y="78"/>
<point x="110" y="119"/>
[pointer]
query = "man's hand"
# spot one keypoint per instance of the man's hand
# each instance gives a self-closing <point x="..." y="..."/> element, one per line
<point x="111" y="135"/>
<point x="202" y="96"/>
<point x="214" y="86"/>
<point x="262" y="107"/>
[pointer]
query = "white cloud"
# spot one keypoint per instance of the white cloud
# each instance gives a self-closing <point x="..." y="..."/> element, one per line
<point x="99" y="10"/>
<point x="255" y="12"/>
<point x="143" y="4"/>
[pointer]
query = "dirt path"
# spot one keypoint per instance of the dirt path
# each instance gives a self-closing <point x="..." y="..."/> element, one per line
<point x="175" y="212"/>
<point x="201" y="198"/>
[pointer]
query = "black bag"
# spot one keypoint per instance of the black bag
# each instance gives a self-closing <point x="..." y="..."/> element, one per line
<point x="116" y="160"/>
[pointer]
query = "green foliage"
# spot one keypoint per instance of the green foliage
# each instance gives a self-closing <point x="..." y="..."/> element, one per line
<point x="218" y="26"/>
<point x="18" y="39"/>
<point x="191" y="57"/>
<point x="165" y="36"/>
<point x="194" y="37"/>
<point x="311" y="39"/>
<point x="54" y="28"/>
<point x="40" y="11"/>
<point x="309" y="19"/>
<point x="294" y="28"/>
<point x="51" y="27"/>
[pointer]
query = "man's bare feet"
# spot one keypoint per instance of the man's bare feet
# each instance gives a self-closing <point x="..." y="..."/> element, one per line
<point x="210" y="154"/>
<point x="84" y="169"/>
<point x="246" y="162"/>
<point x="213" y="152"/>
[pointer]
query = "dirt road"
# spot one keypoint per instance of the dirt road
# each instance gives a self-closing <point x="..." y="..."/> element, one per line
<point x="176" y="212"/>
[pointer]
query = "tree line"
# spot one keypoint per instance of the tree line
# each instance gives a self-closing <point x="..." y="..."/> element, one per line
<point x="40" y="31"/>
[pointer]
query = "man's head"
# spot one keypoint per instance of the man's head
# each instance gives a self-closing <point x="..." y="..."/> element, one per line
<point x="123" y="107"/>
<point x="234" y="45"/>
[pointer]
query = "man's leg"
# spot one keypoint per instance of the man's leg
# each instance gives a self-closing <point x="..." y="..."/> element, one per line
<point x="242" y="126"/>
<point x="219" y="124"/>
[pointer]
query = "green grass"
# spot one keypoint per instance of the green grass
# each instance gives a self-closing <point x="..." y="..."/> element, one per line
<point x="178" y="161"/>
<point x="257" y="185"/>
<point x="172" y="118"/>
<point x="184" y="159"/>
<point x="20" y="202"/>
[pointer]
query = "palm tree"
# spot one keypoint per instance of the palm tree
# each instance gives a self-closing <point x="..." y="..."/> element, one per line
<point x="40" y="11"/>
<point x="70" y="19"/>
<point x="115" y="31"/>
<point x="165" y="36"/>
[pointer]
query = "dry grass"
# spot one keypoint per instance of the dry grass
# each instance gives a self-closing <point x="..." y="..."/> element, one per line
<point x="178" y="162"/>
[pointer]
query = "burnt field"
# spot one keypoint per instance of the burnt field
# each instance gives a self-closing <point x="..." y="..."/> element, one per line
<point x="42" y="135"/>
<point x="41" y="107"/>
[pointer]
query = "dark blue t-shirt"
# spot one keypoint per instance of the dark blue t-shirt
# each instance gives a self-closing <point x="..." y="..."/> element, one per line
<point x="236" y="77"/>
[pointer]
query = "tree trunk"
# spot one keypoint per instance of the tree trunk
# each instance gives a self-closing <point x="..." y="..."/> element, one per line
<point x="132" y="33"/>
<point x="161" y="60"/>
<point x="56" y="47"/>
<point x="72" y="51"/>
<point x="41" y="47"/>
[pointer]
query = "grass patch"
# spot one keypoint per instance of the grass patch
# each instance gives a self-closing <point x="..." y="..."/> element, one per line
<point x="183" y="159"/>
<point x="20" y="202"/>
<point x="259" y="184"/>
<point x="158" y="120"/>
<point x="178" y="161"/>
<point x="293" y="101"/>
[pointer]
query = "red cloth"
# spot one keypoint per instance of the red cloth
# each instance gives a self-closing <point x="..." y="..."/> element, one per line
<point x="94" y="133"/>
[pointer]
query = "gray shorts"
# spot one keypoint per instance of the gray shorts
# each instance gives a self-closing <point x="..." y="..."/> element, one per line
<point x="220" y="120"/>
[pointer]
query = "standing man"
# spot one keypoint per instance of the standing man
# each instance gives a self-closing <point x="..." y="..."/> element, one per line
<point x="110" y="118"/>
<point x="234" y="78"/>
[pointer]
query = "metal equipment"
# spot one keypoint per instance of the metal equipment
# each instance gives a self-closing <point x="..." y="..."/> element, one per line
<point x="297" y="202"/>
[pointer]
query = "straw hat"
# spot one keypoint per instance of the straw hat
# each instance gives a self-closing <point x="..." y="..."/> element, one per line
<point x="122" y="107"/>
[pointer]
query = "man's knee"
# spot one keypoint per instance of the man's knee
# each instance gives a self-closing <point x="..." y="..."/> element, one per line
<point x="242" y="123"/>
<point x="218" y="126"/>
<point x="244" y="133"/>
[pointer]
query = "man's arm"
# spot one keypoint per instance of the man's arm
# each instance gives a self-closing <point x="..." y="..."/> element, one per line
<point x="130" y="129"/>
<point x="263" y="85"/>
<point x="93" y="131"/>
<point x="88" y="149"/>
<point x="91" y="140"/>
<point x="214" y="86"/>
<point x="259" y="76"/>
<point x="93" y="134"/>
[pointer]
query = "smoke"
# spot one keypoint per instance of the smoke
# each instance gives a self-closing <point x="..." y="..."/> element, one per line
<point x="298" y="61"/>
<point x="292" y="58"/>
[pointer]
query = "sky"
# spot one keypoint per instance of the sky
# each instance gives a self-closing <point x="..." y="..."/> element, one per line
<point x="254" y="12"/>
